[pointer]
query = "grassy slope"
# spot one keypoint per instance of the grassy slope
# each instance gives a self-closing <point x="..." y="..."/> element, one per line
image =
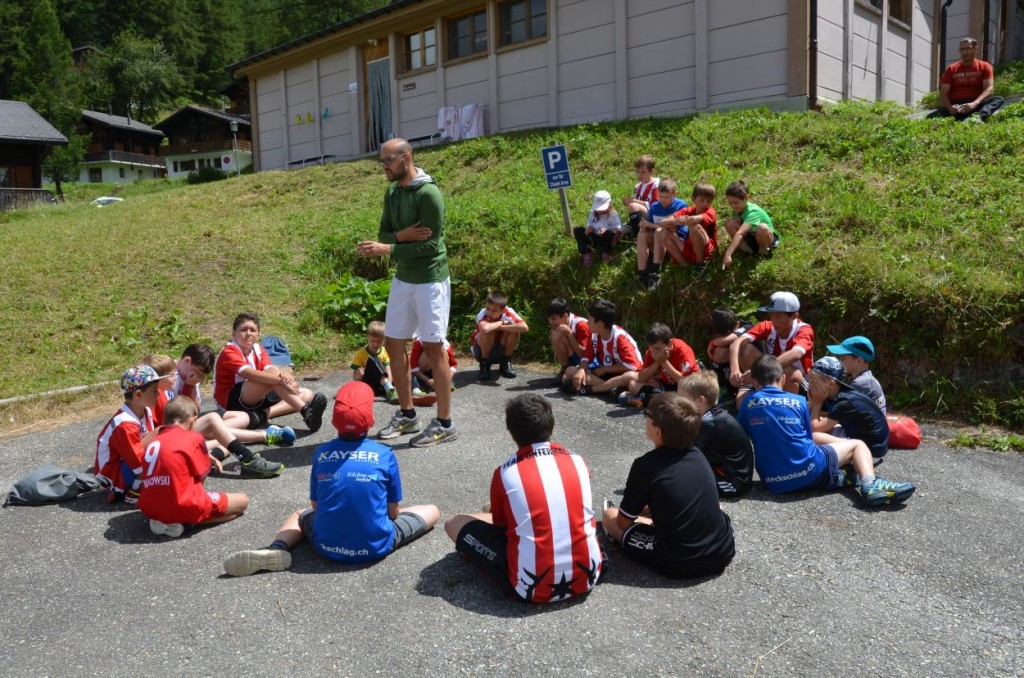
<point x="908" y="231"/>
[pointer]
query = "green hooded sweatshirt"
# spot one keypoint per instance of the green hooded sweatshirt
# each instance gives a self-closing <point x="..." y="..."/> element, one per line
<point x="420" y="201"/>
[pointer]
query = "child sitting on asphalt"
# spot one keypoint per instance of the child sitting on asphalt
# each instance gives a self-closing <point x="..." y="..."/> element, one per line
<point x="695" y="240"/>
<point x="245" y="380"/>
<point x="670" y="517"/>
<point x="496" y="336"/>
<point x="175" y="464"/>
<point x="603" y="229"/>
<point x="786" y="454"/>
<point x="750" y="228"/>
<point x="666" y="361"/>
<point x="726" y="328"/>
<point x="644" y="193"/>
<point x="540" y="543"/>
<point x="785" y="336"/>
<point x="721" y="438"/>
<point x="839" y="409"/>
<point x="424" y="373"/>
<point x="211" y="426"/>
<point x="650" y="251"/>
<point x="854" y="354"/>
<point x="570" y="336"/>
<point x="119" y="447"/>
<point x="372" y="366"/>
<point x="611" y="360"/>
<point x="355" y="491"/>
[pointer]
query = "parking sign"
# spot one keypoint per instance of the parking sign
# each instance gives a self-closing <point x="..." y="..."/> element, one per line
<point x="556" y="166"/>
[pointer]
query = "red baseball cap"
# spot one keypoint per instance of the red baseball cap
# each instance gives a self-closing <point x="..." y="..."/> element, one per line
<point x="353" y="409"/>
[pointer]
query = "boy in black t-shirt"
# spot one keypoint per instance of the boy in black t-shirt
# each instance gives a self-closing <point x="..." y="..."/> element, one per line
<point x="834" y="402"/>
<point x="687" y="534"/>
<point x="721" y="438"/>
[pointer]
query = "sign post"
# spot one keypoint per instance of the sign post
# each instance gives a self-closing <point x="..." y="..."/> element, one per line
<point x="556" y="171"/>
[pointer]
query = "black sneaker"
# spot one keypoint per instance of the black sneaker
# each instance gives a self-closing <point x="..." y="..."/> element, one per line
<point x="485" y="372"/>
<point x="313" y="417"/>
<point x="505" y="369"/>
<point x="258" y="467"/>
<point x="653" y="280"/>
<point x="642" y="280"/>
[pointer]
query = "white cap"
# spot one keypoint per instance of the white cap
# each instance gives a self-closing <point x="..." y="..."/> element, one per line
<point x="602" y="199"/>
<point x="782" y="302"/>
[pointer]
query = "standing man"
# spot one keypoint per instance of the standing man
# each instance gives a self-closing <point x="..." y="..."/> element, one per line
<point x="966" y="86"/>
<point x="412" y="233"/>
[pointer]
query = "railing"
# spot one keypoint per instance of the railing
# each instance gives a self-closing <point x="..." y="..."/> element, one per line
<point x="205" y="147"/>
<point x="18" y="198"/>
<point x="126" y="157"/>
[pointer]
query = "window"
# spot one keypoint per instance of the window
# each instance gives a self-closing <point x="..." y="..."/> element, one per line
<point x="467" y="35"/>
<point x="420" y="49"/>
<point x="175" y="166"/>
<point x="188" y="165"/>
<point x="120" y="172"/>
<point x="900" y="10"/>
<point x="95" y="175"/>
<point x="520" y="20"/>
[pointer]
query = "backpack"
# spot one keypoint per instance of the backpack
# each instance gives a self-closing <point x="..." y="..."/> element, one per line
<point x="904" y="433"/>
<point x="50" y="484"/>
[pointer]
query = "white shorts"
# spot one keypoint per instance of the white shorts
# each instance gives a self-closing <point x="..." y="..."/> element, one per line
<point x="418" y="310"/>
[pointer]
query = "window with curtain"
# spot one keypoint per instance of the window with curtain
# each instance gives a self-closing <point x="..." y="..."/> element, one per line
<point x="522" y="20"/>
<point x="467" y="35"/>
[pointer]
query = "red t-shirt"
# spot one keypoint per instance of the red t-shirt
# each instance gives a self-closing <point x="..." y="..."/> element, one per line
<point x="801" y="336"/>
<point x="680" y="356"/>
<point x="618" y="349"/>
<point x="230" y="362"/>
<point x="417" y="351"/>
<point x="541" y="496"/>
<point x="710" y="221"/>
<point x="174" y="466"/>
<point x="966" y="83"/>
<point x="581" y="330"/>
<point x="121" y="440"/>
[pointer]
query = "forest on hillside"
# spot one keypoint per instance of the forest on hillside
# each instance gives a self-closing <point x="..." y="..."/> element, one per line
<point x="148" y="58"/>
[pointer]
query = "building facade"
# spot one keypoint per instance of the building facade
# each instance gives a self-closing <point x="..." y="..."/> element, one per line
<point x="199" y="137"/>
<point x="341" y="92"/>
<point x="120" y="150"/>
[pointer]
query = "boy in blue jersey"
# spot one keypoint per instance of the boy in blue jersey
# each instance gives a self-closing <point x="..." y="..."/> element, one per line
<point x="354" y="490"/>
<point x="648" y="245"/>
<point x="785" y="453"/>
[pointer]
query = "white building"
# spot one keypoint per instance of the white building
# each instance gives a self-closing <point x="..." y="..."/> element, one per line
<point x="342" y="91"/>
<point x="120" y="149"/>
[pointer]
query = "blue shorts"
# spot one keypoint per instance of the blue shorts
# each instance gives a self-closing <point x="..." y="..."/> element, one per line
<point x="832" y="478"/>
<point x="575" y="360"/>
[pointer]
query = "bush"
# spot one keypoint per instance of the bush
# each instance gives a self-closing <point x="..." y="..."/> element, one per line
<point x="205" y="175"/>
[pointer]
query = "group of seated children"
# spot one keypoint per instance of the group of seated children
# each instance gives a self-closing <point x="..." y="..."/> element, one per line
<point x="660" y="222"/>
<point x="248" y="389"/>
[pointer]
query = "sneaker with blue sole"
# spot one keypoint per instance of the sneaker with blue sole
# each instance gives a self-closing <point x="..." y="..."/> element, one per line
<point x="280" y="435"/>
<point x="883" y="491"/>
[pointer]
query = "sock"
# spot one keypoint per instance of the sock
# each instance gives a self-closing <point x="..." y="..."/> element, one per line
<point x="409" y="414"/>
<point x="866" y="481"/>
<point x="387" y="385"/>
<point x="278" y="545"/>
<point x="236" y="448"/>
<point x="447" y="423"/>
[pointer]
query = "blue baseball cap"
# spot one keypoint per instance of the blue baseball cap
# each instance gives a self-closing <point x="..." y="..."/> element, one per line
<point x="858" y="346"/>
<point x="831" y="368"/>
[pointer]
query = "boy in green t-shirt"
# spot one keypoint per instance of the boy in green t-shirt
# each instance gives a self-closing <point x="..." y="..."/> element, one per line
<point x="749" y="228"/>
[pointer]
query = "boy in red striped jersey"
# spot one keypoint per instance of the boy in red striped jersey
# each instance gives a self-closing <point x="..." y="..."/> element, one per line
<point x="540" y="543"/>
<point x="611" y="360"/>
<point x="570" y="336"/>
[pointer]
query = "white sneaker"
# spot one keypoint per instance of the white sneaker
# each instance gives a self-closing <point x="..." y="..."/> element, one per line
<point x="244" y="563"/>
<point x="172" y="530"/>
<point x="398" y="425"/>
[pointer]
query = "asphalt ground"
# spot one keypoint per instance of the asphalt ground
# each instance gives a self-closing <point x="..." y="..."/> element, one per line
<point x="819" y="586"/>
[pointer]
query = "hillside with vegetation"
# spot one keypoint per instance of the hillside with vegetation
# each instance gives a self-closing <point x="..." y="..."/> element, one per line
<point x="908" y="231"/>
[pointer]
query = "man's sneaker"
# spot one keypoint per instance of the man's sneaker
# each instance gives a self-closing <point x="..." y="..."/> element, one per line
<point x="434" y="434"/>
<point x="485" y="372"/>
<point x="258" y="467"/>
<point x="172" y="530"/>
<point x="313" y="416"/>
<point x="398" y="425"/>
<point x="505" y="369"/>
<point x="279" y="435"/>
<point x="884" y="491"/>
<point x="244" y="563"/>
<point x="392" y="396"/>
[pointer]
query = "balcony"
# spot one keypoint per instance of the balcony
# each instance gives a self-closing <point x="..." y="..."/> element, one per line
<point x="126" y="158"/>
<point x="205" y="147"/>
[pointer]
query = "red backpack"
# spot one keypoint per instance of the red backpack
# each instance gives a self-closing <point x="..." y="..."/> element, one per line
<point x="904" y="433"/>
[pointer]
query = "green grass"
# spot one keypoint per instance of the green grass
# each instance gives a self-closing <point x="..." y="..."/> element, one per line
<point x="991" y="441"/>
<point x="907" y="231"/>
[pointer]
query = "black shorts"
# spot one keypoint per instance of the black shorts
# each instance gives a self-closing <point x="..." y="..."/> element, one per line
<point x="258" y="412"/>
<point x="486" y="546"/>
<point x="497" y="352"/>
<point x="409" y="526"/>
<point x="640" y="543"/>
<point x="831" y="478"/>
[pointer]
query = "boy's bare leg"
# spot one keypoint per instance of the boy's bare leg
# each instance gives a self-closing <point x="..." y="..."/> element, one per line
<point x="238" y="503"/>
<point x="794" y="378"/>
<point x="290" y="402"/>
<point x="213" y="427"/>
<point x="561" y="347"/>
<point x="732" y="227"/>
<point x="485" y="342"/>
<point x="428" y="512"/>
<point x="570" y="372"/>
<point x="400" y="370"/>
<point x="454" y="525"/>
<point x="699" y="240"/>
<point x="852" y="451"/>
<point x="601" y="385"/>
<point x="509" y="342"/>
<point x="610" y="521"/>
<point x="657" y="247"/>
<point x="643" y="247"/>
<point x="437" y="357"/>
